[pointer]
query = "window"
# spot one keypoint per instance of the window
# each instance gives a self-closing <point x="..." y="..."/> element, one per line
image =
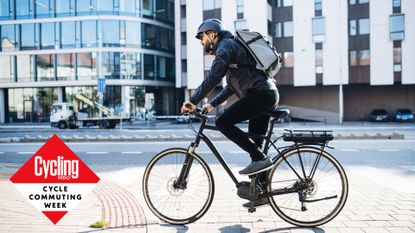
<point x="352" y="27"/>
<point x="397" y="59"/>
<point x="353" y="58"/>
<point x="64" y="7"/>
<point x="128" y="7"/>
<point x="319" y="61"/>
<point x="150" y="36"/>
<point x="397" y="31"/>
<point x="278" y="30"/>
<point x="133" y="34"/>
<point x="364" y="58"/>
<point x="84" y="7"/>
<point x="23" y="9"/>
<point x="149" y="66"/>
<point x="240" y="9"/>
<point x="8" y="37"/>
<point x="45" y="67"/>
<point x="25" y="68"/>
<point x="5" y="10"/>
<point x="363" y="1"/>
<point x="287" y="3"/>
<point x="47" y="32"/>
<point x="67" y="34"/>
<point x="43" y="8"/>
<point x="27" y="36"/>
<point x="148" y="8"/>
<point x="87" y="66"/>
<point x="396" y="3"/>
<point x="288" y="29"/>
<point x="7" y="70"/>
<point x="364" y="27"/>
<point x="352" y="2"/>
<point x="89" y="33"/>
<point x="288" y="60"/>
<point x="111" y="33"/>
<point x="319" y="29"/>
<point x="111" y="65"/>
<point x="66" y="66"/>
<point x="130" y="66"/>
<point x="104" y="6"/>
<point x="211" y="4"/>
<point x="318" y="8"/>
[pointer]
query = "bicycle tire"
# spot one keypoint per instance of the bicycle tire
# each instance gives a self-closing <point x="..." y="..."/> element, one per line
<point x="180" y="200"/>
<point x="288" y="206"/>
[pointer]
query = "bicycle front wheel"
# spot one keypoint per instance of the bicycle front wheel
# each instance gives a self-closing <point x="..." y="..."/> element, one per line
<point x="168" y="202"/>
<point x="308" y="186"/>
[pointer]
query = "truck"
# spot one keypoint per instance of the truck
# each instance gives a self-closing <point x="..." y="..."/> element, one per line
<point x="66" y="115"/>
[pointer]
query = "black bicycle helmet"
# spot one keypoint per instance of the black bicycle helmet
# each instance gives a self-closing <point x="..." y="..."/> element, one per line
<point x="209" y="25"/>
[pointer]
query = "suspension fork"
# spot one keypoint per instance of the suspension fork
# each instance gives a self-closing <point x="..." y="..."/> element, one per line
<point x="181" y="182"/>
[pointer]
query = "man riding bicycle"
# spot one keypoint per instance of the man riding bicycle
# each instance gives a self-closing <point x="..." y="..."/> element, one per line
<point x="257" y="92"/>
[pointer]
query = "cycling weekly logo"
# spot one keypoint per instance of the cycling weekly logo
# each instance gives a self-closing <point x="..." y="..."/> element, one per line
<point x="54" y="179"/>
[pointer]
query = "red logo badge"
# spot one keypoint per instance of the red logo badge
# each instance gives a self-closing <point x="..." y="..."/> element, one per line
<point x="54" y="179"/>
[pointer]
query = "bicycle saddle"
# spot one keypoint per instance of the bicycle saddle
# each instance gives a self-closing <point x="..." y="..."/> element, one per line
<point x="279" y="112"/>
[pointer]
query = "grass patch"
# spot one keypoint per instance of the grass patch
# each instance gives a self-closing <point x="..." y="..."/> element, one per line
<point x="99" y="224"/>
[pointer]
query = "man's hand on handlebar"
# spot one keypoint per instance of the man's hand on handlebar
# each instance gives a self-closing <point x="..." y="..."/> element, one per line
<point x="207" y="108"/>
<point x="187" y="107"/>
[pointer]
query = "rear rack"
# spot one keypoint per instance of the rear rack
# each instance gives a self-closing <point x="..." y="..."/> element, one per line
<point x="308" y="136"/>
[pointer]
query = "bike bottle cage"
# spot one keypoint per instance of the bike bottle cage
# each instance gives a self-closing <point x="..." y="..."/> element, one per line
<point x="311" y="136"/>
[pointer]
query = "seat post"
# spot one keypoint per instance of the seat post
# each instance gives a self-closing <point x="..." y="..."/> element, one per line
<point x="269" y="134"/>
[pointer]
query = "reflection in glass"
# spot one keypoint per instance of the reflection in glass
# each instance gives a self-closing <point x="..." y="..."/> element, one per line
<point x="25" y="72"/>
<point x="104" y="6"/>
<point x="150" y="36"/>
<point x="288" y="60"/>
<point x="111" y="33"/>
<point x="149" y="66"/>
<point x="27" y="36"/>
<point x="23" y="9"/>
<point x="130" y="64"/>
<point x="148" y="8"/>
<point x="161" y="67"/>
<point x="397" y="27"/>
<point x="353" y="58"/>
<point x="319" y="61"/>
<point x="45" y="67"/>
<point x="65" y="66"/>
<point x="47" y="34"/>
<point x="128" y="7"/>
<point x="42" y="8"/>
<point x="8" y="37"/>
<point x="364" y="27"/>
<point x="133" y="34"/>
<point x="64" y="7"/>
<point x="87" y="64"/>
<point x="7" y="69"/>
<point x="111" y="65"/>
<point x="89" y="33"/>
<point x="5" y="10"/>
<point x="364" y="57"/>
<point x="288" y="29"/>
<point x="352" y="27"/>
<point x="84" y="7"/>
<point x="67" y="34"/>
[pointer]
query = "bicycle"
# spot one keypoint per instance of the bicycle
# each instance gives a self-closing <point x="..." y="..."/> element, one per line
<point x="306" y="186"/>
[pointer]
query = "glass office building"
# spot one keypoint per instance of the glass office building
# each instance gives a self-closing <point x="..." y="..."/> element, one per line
<point x="52" y="49"/>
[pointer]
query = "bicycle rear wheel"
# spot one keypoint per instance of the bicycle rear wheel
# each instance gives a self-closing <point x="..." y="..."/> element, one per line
<point x="314" y="199"/>
<point x="177" y="205"/>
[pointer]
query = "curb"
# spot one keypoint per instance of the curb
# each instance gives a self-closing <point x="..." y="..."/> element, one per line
<point x="174" y="137"/>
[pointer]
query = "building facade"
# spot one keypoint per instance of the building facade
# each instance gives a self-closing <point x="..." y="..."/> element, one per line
<point x="52" y="49"/>
<point x="341" y="58"/>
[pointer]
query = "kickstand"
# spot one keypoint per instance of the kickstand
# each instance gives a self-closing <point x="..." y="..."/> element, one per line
<point x="253" y="194"/>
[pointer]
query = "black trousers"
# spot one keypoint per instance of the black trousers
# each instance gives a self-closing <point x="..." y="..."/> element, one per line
<point x="250" y="107"/>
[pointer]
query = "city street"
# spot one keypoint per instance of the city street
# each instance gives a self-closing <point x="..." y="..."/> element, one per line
<point x="381" y="176"/>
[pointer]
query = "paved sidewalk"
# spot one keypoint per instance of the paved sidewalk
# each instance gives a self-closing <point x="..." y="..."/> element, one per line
<point x="379" y="201"/>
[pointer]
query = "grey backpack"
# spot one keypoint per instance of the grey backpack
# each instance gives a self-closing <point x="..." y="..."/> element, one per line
<point x="265" y="55"/>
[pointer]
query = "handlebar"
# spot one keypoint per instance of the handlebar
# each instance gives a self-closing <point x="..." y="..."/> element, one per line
<point x="198" y="112"/>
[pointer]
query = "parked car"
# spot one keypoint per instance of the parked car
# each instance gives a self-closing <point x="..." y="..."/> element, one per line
<point x="404" y="114"/>
<point x="378" y="115"/>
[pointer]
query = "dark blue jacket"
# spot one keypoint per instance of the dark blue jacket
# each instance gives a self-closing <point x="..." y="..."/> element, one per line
<point x="239" y="81"/>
